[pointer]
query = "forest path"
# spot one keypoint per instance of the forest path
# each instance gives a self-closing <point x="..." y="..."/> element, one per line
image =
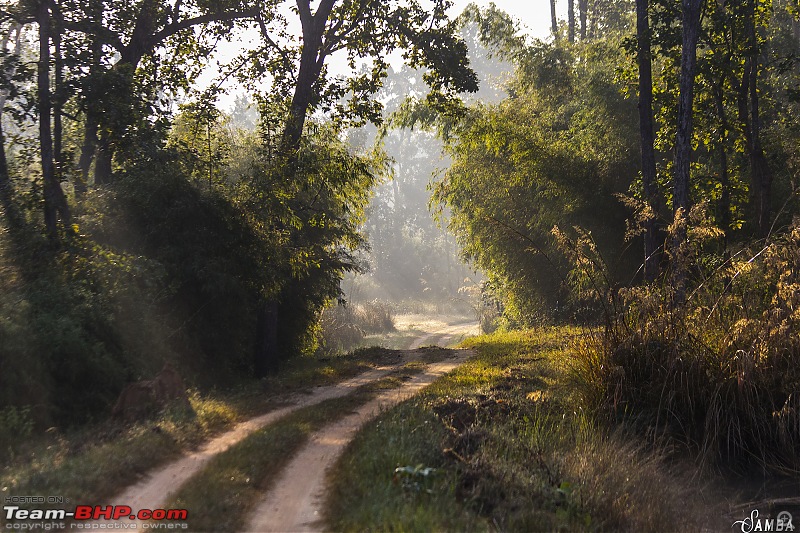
<point x="295" y="502"/>
<point x="156" y="489"/>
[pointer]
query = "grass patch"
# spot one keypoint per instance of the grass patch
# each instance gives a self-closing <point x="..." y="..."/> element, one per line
<point x="221" y="496"/>
<point x="92" y="464"/>
<point x="501" y="444"/>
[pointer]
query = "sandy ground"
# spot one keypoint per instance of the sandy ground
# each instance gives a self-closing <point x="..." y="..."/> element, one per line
<point x="298" y="497"/>
<point x="294" y="504"/>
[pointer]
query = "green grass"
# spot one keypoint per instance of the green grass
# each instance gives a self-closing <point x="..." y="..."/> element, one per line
<point x="511" y="451"/>
<point x="220" y="497"/>
<point x="92" y="464"/>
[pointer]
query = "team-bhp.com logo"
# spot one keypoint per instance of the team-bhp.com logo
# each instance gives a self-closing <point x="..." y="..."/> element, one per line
<point x="92" y="517"/>
<point x="783" y="522"/>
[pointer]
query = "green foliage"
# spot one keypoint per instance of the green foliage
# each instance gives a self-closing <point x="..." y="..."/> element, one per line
<point x="555" y="153"/>
<point x="500" y="443"/>
<point x="16" y="425"/>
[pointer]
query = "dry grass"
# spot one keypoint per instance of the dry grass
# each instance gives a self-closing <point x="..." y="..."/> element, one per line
<point x="510" y="450"/>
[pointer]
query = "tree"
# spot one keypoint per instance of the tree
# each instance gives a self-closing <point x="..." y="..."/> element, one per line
<point x="55" y="203"/>
<point x="135" y="31"/>
<point x="571" y="21"/>
<point x="9" y="68"/>
<point x="369" y="29"/>
<point x="683" y="140"/>
<point x="750" y="116"/>
<point x="646" y="132"/>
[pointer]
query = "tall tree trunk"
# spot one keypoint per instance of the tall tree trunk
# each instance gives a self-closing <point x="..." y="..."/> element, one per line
<point x="683" y="141"/>
<point x="312" y="57"/>
<point x="647" y="137"/>
<point x="55" y="203"/>
<point x="553" y="20"/>
<point x="583" y="6"/>
<point x="724" y="207"/>
<point x="103" y="158"/>
<point x="58" y="102"/>
<point x="761" y="174"/>
<point x="571" y="21"/>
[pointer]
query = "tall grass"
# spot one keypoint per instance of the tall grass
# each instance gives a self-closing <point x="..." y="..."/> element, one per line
<point x="717" y="369"/>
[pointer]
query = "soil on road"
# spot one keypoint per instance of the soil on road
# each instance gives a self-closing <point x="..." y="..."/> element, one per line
<point x="293" y="504"/>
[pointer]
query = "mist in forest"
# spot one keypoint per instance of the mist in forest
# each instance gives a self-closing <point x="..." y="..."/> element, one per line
<point x="413" y="261"/>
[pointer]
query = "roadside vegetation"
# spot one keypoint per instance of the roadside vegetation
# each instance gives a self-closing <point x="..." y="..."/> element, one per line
<point x="91" y="464"/>
<point x="505" y="443"/>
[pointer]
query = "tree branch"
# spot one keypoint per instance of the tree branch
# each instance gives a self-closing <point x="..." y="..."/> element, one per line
<point x="287" y="62"/>
<point x="176" y="27"/>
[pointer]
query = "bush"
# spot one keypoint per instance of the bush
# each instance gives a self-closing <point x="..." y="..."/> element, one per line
<point x="375" y="317"/>
<point x="338" y="329"/>
<point x="721" y="372"/>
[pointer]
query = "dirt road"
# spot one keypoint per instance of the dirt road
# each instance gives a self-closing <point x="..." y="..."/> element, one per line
<point x="294" y="504"/>
<point x="155" y="490"/>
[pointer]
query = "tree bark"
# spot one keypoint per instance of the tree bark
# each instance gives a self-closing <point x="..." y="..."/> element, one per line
<point x="647" y="137"/>
<point x="583" y="6"/>
<point x="55" y="203"/>
<point x="761" y="174"/>
<point x="724" y="207"/>
<point x="571" y="21"/>
<point x="683" y="141"/>
<point x="553" y="20"/>
<point x="58" y="101"/>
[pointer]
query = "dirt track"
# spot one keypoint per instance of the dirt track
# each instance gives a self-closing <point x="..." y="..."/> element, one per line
<point x="296" y="494"/>
<point x="294" y="503"/>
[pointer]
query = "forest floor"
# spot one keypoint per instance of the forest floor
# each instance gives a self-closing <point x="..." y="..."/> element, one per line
<point x="293" y="503"/>
<point x="490" y="437"/>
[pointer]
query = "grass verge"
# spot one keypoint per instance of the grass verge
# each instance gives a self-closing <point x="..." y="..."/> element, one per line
<point x="501" y="443"/>
<point x="92" y="464"/>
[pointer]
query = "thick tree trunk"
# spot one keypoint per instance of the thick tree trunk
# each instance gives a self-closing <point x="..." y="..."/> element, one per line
<point x="55" y="203"/>
<point x="104" y="156"/>
<point x="683" y="141"/>
<point x="571" y="21"/>
<point x="553" y="20"/>
<point x="87" y="155"/>
<point x="647" y="137"/>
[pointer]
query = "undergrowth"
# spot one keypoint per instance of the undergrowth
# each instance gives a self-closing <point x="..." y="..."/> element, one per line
<point x="707" y="357"/>
<point x="501" y="444"/>
<point x="92" y="463"/>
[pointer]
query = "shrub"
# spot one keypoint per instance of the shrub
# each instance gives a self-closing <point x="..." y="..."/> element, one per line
<point x="339" y="331"/>
<point x="720" y="372"/>
<point x="375" y="317"/>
